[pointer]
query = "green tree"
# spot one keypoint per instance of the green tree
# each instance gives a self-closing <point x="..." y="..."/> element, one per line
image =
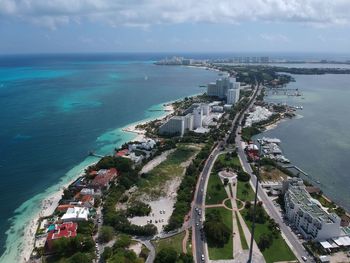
<point x="107" y="253"/>
<point x="265" y="241"/>
<point x="80" y="258"/>
<point x="166" y="255"/>
<point x="106" y="234"/>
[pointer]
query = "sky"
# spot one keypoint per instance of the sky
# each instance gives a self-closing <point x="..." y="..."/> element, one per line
<point x="64" y="26"/>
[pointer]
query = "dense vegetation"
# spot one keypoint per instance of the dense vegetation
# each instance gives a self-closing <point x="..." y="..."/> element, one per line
<point x="186" y="190"/>
<point x="138" y="208"/>
<point x="120" y="252"/>
<point x="169" y="255"/>
<point x="118" y="219"/>
<point x="73" y="250"/>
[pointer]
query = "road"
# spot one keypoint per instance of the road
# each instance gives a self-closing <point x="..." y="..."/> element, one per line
<point x="198" y="239"/>
<point x="271" y="209"/>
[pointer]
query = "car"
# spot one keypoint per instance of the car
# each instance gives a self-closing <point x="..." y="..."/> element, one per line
<point x="202" y="257"/>
<point x="304" y="258"/>
<point x="197" y="224"/>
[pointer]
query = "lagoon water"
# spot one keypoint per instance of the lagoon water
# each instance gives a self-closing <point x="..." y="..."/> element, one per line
<point x="54" y="109"/>
<point x="318" y="140"/>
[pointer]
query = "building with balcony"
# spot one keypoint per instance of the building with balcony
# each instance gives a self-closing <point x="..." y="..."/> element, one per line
<point x="307" y="214"/>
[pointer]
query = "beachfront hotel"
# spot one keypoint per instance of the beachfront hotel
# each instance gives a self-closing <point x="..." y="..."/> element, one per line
<point x="198" y="117"/>
<point x="307" y="214"/>
<point x="225" y="88"/>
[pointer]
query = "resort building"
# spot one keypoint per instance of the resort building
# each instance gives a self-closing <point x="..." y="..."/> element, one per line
<point x="197" y="117"/>
<point x="189" y="122"/>
<point x="76" y="214"/>
<point x="175" y="125"/>
<point x="225" y="88"/>
<point x="307" y="214"/>
<point x="145" y="144"/>
<point x="66" y="230"/>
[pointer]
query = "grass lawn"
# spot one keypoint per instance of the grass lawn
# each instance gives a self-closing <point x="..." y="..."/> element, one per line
<point x="228" y="203"/>
<point x="153" y="183"/>
<point x="225" y="252"/>
<point x="241" y="234"/>
<point x="245" y="191"/>
<point x="174" y="242"/>
<point x="215" y="191"/>
<point x="278" y="251"/>
<point x="229" y="162"/>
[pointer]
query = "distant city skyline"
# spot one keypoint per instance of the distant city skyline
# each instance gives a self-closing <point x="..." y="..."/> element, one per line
<point x="35" y="26"/>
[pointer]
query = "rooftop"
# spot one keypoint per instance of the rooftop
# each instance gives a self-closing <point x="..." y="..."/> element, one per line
<point x="300" y="196"/>
<point x="68" y="229"/>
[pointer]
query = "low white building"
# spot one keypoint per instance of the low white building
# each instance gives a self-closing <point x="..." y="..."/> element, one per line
<point x="307" y="214"/>
<point x="76" y="214"/>
<point x="258" y="114"/>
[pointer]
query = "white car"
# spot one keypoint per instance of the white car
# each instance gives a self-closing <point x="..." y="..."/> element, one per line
<point x="304" y="258"/>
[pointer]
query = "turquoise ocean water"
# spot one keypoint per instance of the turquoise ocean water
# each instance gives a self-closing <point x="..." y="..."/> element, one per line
<point x="55" y="109"/>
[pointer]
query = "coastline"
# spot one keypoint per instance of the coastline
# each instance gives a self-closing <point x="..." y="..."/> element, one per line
<point x="140" y="133"/>
<point x="49" y="203"/>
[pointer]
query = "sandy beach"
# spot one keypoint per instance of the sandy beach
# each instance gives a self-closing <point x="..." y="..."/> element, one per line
<point x="168" y="110"/>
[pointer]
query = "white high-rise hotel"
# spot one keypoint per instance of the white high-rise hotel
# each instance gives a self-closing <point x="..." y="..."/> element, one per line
<point x="225" y="88"/>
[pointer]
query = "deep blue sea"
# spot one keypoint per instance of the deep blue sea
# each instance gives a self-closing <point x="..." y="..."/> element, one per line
<point x="56" y="108"/>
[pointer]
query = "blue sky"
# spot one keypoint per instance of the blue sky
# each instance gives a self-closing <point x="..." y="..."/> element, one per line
<point x="38" y="26"/>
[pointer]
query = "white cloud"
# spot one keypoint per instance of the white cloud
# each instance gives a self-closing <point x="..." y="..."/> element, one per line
<point x="52" y="13"/>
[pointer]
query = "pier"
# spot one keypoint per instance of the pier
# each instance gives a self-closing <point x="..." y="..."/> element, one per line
<point x="296" y="168"/>
<point x="95" y="155"/>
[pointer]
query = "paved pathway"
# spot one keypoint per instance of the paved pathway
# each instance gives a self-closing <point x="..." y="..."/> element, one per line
<point x="248" y="236"/>
<point x="184" y="241"/>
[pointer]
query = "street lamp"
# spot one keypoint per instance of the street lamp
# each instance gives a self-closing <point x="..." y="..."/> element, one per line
<point x="254" y="209"/>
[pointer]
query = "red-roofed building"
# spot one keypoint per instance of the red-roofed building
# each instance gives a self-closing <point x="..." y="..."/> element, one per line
<point x="67" y="230"/>
<point x="122" y="153"/>
<point x="85" y="200"/>
<point x="103" y="178"/>
<point x="63" y="208"/>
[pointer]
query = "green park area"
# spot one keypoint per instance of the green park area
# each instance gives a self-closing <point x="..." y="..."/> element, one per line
<point x="216" y="193"/>
<point x="174" y="242"/>
<point x="268" y="236"/>
<point x="152" y="183"/>
<point x="223" y="247"/>
<point x="244" y="191"/>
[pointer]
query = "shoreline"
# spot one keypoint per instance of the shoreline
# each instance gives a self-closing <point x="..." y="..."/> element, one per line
<point x="49" y="203"/>
<point x="168" y="109"/>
